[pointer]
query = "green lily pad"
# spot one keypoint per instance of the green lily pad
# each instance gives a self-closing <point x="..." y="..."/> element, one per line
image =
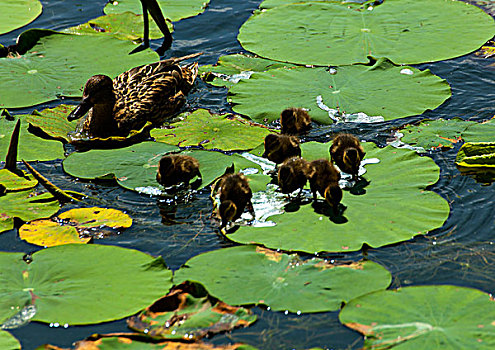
<point x="423" y="317"/>
<point x="81" y="284"/>
<point x="480" y="132"/>
<point x="135" y="167"/>
<point x="72" y="226"/>
<point x="8" y="341"/>
<point x="123" y="26"/>
<point x="212" y="131"/>
<point x="439" y="133"/>
<point x="25" y="205"/>
<point x="230" y="69"/>
<point x="60" y="64"/>
<point x="329" y="33"/>
<point x="175" y="10"/>
<point x="31" y="148"/>
<point x="182" y="315"/>
<point x="383" y="90"/>
<point x="476" y="155"/>
<point x="395" y="207"/>
<point x="281" y="281"/>
<point x="18" y="13"/>
<point x="14" y="182"/>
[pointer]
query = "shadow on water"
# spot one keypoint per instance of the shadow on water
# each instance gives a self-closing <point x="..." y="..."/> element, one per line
<point x="461" y="252"/>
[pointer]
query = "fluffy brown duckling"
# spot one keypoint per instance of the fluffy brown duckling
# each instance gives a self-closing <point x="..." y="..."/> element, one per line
<point x="293" y="174"/>
<point x="325" y="181"/>
<point x="235" y="196"/>
<point x="347" y="153"/>
<point x="280" y="147"/>
<point x="177" y="168"/>
<point x="295" y="121"/>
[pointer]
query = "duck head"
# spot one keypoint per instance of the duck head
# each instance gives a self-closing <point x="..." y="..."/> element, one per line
<point x="333" y="196"/>
<point x="227" y="211"/>
<point x="352" y="160"/>
<point x="98" y="90"/>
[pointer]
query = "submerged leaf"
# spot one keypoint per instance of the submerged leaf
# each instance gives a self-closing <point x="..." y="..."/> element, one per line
<point x="423" y="317"/>
<point x="281" y="281"/>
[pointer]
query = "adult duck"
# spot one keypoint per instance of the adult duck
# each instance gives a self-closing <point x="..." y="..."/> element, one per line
<point x="149" y="93"/>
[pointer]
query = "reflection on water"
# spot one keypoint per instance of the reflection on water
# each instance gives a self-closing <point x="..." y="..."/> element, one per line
<point x="461" y="252"/>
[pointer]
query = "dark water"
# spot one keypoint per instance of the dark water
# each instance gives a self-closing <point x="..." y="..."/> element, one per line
<point x="460" y="253"/>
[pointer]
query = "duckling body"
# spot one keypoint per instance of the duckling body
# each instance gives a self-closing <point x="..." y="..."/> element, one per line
<point x="346" y="151"/>
<point x="176" y="168"/>
<point x="293" y="174"/>
<point x="295" y="121"/>
<point x="325" y="181"/>
<point x="235" y="196"/>
<point x="152" y="92"/>
<point x="280" y="147"/>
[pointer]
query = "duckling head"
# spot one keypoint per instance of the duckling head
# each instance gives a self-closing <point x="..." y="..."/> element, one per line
<point x="165" y="165"/>
<point x="227" y="211"/>
<point x="352" y="160"/>
<point x="98" y="90"/>
<point x="333" y="196"/>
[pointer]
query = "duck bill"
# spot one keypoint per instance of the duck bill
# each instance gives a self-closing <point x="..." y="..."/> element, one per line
<point x="80" y="110"/>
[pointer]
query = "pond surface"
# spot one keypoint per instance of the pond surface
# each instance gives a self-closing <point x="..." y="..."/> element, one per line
<point x="460" y="253"/>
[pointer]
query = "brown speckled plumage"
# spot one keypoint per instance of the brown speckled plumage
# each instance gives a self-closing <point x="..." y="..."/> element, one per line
<point x="346" y="151"/>
<point x="280" y="147"/>
<point x="295" y="121"/>
<point x="177" y="168"/>
<point x="325" y="181"/>
<point x="235" y="196"/>
<point x="293" y="174"/>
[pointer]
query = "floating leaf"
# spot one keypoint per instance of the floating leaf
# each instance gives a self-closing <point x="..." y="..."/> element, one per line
<point x="431" y="134"/>
<point x="123" y="26"/>
<point x="329" y="33"/>
<point x="135" y="167"/>
<point x="230" y="69"/>
<point x="174" y="10"/>
<point x="477" y="155"/>
<point x="281" y="281"/>
<point x="482" y="132"/>
<point x="383" y="90"/>
<point x="72" y="226"/>
<point x="27" y="206"/>
<point x="53" y="121"/>
<point x="395" y="207"/>
<point x="18" y="13"/>
<point x="212" y="131"/>
<point x="40" y="75"/>
<point x="8" y="342"/>
<point x="31" y="148"/>
<point x="81" y="284"/>
<point x="14" y="182"/>
<point x="181" y="315"/>
<point x="423" y="317"/>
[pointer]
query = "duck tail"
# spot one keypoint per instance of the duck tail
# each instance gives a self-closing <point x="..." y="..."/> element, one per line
<point x="174" y="60"/>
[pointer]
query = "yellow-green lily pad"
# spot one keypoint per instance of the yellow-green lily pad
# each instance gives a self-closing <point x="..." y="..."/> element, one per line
<point x="477" y="155"/>
<point x="18" y="13"/>
<point x="48" y="233"/>
<point x="15" y="182"/>
<point x="8" y="341"/>
<point x="212" y="131"/>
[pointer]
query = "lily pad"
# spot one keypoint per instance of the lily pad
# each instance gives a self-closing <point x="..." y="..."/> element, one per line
<point x="60" y="64"/>
<point x="14" y="182"/>
<point x="8" y="341"/>
<point x="230" y="69"/>
<point x="31" y="147"/>
<point x="73" y="226"/>
<point x="480" y="132"/>
<point x="175" y="10"/>
<point x="182" y="315"/>
<point x="18" y="13"/>
<point x="423" y="317"/>
<point x="254" y="275"/>
<point x="383" y="90"/>
<point x="431" y="134"/>
<point x="123" y="26"/>
<point x="395" y="207"/>
<point x="477" y="155"/>
<point x="329" y="33"/>
<point x="135" y="167"/>
<point x="53" y="121"/>
<point x="25" y="205"/>
<point x="212" y="131"/>
<point x="81" y="284"/>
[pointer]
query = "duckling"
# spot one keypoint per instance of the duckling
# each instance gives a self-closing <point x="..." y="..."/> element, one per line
<point x="235" y="196"/>
<point x="153" y="92"/>
<point x="347" y="153"/>
<point x="176" y="168"/>
<point x="280" y="147"/>
<point x="295" y="121"/>
<point x="293" y="174"/>
<point x="325" y="180"/>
